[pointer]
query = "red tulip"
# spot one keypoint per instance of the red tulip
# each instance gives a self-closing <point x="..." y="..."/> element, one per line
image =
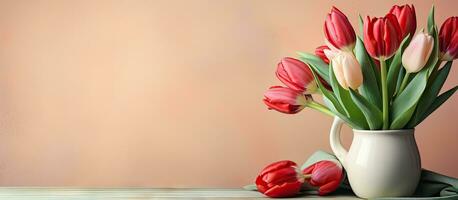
<point x="406" y="18"/>
<point x="338" y="31"/>
<point x="319" y="51"/>
<point x="448" y="39"/>
<point x="280" y="179"/>
<point x="296" y="75"/>
<point x="382" y="36"/>
<point x="326" y="175"/>
<point x="285" y="100"/>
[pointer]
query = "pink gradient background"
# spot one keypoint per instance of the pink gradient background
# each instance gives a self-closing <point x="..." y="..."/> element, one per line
<point x="168" y="93"/>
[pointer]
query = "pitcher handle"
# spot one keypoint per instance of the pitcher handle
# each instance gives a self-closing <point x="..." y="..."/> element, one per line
<point x="334" y="140"/>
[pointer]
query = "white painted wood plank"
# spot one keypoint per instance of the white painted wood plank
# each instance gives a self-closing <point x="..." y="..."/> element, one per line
<point x="68" y="193"/>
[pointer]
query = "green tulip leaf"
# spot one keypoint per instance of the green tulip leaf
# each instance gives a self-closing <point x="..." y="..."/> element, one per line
<point x="316" y="63"/>
<point x="371" y="112"/>
<point x="333" y="103"/>
<point x="404" y="104"/>
<point x="251" y="187"/>
<point x="343" y="96"/>
<point x="370" y="88"/>
<point x="431" y="22"/>
<point x="395" y="67"/>
<point x="430" y="94"/>
<point x="361" y="25"/>
<point x="437" y="103"/>
<point x="431" y="65"/>
<point x="341" y="116"/>
<point x="402" y="73"/>
<point x="326" y="93"/>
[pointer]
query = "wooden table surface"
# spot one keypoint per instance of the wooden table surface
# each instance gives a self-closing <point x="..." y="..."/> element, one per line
<point x="66" y="193"/>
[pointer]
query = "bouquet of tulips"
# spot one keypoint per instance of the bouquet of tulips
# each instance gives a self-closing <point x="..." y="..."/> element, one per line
<point x="388" y="78"/>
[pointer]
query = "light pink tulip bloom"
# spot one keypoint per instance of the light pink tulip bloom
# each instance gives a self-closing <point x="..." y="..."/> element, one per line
<point x="417" y="53"/>
<point x="347" y="70"/>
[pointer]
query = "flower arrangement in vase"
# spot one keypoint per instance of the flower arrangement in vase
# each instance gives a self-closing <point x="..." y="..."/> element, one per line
<point x="382" y="84"/>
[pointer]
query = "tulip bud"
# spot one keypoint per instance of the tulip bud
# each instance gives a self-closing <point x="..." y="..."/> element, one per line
<point x="417" y="53"/>
<point x="285" y="100"/>
<point x="326" y="175"/>
<point x="448" y="39"/>
<point x="382" y="36"/>
<point x="280" y="179"/>
<point x="347" y="70"/>
<point x="296" y="75"/>
<point x="319" y="51"/>
<point x="406" y="18"/>
<point x="338" y="31"/>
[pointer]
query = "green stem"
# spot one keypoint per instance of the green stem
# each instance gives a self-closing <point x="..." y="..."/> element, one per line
<point x="307" y="176"/>
<point x="319" y="107"/>
<point x="404" y="82"/>
<point x="384" y="93"/>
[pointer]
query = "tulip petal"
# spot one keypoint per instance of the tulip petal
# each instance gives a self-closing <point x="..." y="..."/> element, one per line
<point x="406" y="18"/>
<point x="328" y="188"/>
<point x="448" y="39"/>
<point x="285" y="100"/>
<point x="338" y="31"/>
<point x="326" y="175"/>
<point x="285" y="190"/>
<point x="296" y="75"/>
<point x="382" y="36"/>
<point x="338" y="71"/>
<point x="279" y="179"/>
<point x="353" y="73"/>
<point x="416" y="55"/>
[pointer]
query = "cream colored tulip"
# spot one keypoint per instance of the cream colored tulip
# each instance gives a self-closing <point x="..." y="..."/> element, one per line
<point x="417" y="53"/>
<point x="347" y="70"/>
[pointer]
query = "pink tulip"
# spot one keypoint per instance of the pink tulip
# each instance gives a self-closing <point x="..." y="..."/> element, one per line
<point x="326" y="175"/>
<point x="296" y="75"/>
<point x="338" y="31"/>
<point x="382" y="36"/>
<point x="285" y="100"/>
<point x="347" y="70"/>
<point x="417" y="53"/>
<point x="448" y="39"/>
<point x="406" y="18"/>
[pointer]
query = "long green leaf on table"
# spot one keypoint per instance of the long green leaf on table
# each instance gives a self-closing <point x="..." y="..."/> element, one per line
<point x="343" y="96"/>
<point x="430" y="94"/>
<point x="372" y="112"/>
<point x="404" y="105"/>
<point x="395" y="67"/>
<point x="316" y="63"/>
<point x="370" y="88"/>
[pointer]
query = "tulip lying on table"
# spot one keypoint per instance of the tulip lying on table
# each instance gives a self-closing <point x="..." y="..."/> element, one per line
<point x="285" y="179"/>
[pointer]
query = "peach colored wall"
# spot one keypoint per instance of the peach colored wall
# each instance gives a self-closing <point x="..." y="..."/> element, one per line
<point x="168" y="93"/>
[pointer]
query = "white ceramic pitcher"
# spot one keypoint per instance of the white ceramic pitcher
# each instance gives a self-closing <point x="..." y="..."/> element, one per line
<point x="380" y="163"/>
